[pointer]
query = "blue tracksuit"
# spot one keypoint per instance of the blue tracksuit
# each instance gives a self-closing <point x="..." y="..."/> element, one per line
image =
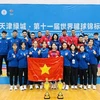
<point x="22" y="58"/>
<point x="14" y="40"/>
<point x="57" y="42"/>
<point x="74" y="59"/>
<point x="83" y="59"/>
<point x="67" y="56"/>
<point x="93" y="57"/>
<point x="12" y="62"/>
<point x="97" y="44"/>
<point x="28" y="43"/>
<point x="34" y="52"/>
<point x="4" y="46"/>
<point x="44" y="53"/>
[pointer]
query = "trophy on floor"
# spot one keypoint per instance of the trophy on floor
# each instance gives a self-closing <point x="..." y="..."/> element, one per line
<point x="60" y="85"/>
<point x="47" y="86"/>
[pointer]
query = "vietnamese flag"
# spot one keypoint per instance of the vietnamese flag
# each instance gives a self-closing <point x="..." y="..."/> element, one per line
<point x="41" y="68"/>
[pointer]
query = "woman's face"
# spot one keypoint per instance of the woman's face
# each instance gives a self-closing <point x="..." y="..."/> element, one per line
<point x="23" y="46"/>
<point x="44" y="44"/>
<point x="54" y="46"/>
<point x="72" y="47"/>
<point x="55" y="37"/>
<point x="82" y="48"/>
<point x="64" y="46"/>
<point x="35" y="44"/>
<point x="90" y="43"/>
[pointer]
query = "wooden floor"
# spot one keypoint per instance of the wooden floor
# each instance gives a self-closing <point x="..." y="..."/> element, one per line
<point x="34" y="94"/>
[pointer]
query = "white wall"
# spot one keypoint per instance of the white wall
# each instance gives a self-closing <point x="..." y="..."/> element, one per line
<point x="49" y="1"/>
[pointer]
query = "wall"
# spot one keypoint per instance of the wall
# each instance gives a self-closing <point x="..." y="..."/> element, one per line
<point x="50" y="1"/>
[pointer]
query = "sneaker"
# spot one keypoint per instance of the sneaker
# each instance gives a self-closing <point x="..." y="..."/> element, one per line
<point x="41" y="86"/>
<point x="21" y="88"/>
<point x="94" y="87"/>
<point x="89" y="86"/>
<point x="54" y="86"/>
<point x="85" y="88"/>
<point x="31" y="87"/>
<point x="80" y="86"/>
<point x="67" y="87"/>
<point x="15" y="87"/>
<point x="75" y="87"/>
<point x="36" y="86"/>
<point x="25" y="87"/>
<point x="72" y="87"/>
<point x="11" y="88"/>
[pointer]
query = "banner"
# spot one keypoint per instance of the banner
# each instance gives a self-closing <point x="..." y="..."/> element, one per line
<point x="41" y="68"/>
<point x="36" y="17"/>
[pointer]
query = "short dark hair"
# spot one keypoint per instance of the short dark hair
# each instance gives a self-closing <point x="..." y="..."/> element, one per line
<point x="64" y="30"/>
<point x="90" y="39"/>
<point x="72" y="29"/>
<point x="4" y="32"/>
<point x="32" y="33"/>
<point x="15" y="31"/>
<point x="23" y="42"/>
<point x="24" y="31"/>
<point x="96" y="33"/>
<point x="80" y="36"/>
<point x="39" y="31"/>
<point x="85" y="35"/>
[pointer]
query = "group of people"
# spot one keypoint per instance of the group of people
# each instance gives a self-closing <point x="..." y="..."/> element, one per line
<point x="80" y="53"/>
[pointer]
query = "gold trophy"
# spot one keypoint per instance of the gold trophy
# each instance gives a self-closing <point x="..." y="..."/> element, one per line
<point x="60" y="85"/>
<point x="47" y="86"/>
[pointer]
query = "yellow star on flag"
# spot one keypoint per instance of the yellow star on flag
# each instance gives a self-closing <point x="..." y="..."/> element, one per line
<point x="45" y="69"/>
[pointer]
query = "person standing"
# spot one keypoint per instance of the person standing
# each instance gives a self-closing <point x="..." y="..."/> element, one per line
<point x="4" y="51"/>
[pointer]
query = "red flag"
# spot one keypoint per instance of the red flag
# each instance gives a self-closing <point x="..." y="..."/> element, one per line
<point x="41" y="68"/>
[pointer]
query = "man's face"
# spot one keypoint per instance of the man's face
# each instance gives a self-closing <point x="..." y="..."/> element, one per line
<point x="15" y="34"/>
<point x="96" y="36"/>
<point x="24" y="34"/>
<point x="73" y="32"/>
<point x="32" y="36"/>
<point x="64" y="33"/>
<point x="47" y="32"/>
<point x="3" y="35"/>
<point x="39" y="34"/>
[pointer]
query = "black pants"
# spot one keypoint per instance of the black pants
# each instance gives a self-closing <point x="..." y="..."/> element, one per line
<point x="74" y="76"/>
<point x="21" y="71"/>
<point x="67" y="71"/>
<point x="92" y="74"/>
<point x="13" y="72"/>
<point x="1" y="61"/>
<point x="83" y="76"/>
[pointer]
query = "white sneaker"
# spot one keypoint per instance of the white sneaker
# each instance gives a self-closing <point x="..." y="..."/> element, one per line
<point x="67" y="87"/>
<point x="94" y="87"/>
<point x="72" y="87"/>
<point x="36" y="86"/>
<point x="31" y="87"/>
<point x="11" y="88"/>
<point x="63" y="87"/>
<point x="80" y="86"/>
<point x="41" y="86"/>
<point x="54" y="86"/>
<point x="85" y="88"/>
<point x="21" y="88"/>
<point x="89" y="86"/>
<point x="15" y="87"/>
<point x="25" y="87"/>
<point x="75" y="87"/>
